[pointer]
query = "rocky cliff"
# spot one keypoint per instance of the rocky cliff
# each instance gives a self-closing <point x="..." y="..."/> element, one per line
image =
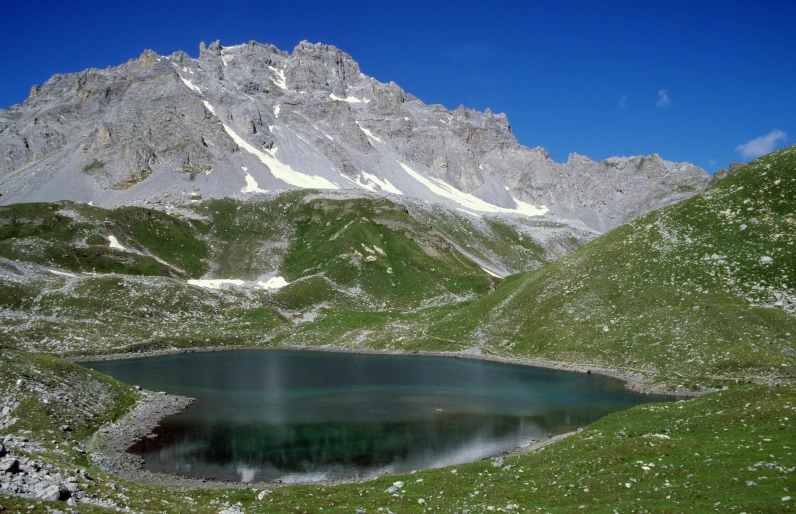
<point x="251" y="119"/>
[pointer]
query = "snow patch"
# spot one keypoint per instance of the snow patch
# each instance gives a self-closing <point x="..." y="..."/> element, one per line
<point x="280" y="78"/>
<point x="216" y="283"/>
<point x="371" y="182"/>
<point x="491" y="272"/>
<point x="276" y="111"/>
<point x="226" y="49"/>
<point x="114" y="243"/>
<point x="209" y="107"/>
<point x="62" y="273"/>
<point x="252" y="186"/>
<point x="190" y="85"/>
<point x="280" y="170"/>
<point x="349" y="99"/>
<point x="273" y="283"/>
<point x="368" y="133"/>
<point x="468" y="201"/>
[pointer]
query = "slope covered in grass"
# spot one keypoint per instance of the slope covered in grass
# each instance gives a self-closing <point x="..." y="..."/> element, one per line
<point x="79" y="279"/>
<point x="41" y="393"/>
<point x="702" y="288"/>
<point x="117" y="313"/>
<point x="77" y="238"/>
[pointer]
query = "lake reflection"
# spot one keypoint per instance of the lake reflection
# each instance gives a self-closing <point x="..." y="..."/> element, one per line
<point x="305" y="416"/>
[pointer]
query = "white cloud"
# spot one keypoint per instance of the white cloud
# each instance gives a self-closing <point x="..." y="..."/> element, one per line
<point x="623" y="101"/>
<point x="761" y="145"/>
<point x="663" y="98"/>
<point x="713" y="163"/>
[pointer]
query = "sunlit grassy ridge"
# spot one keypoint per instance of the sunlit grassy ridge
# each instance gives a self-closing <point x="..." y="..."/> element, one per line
<point x="704" y="287"/>
<point x="76" y="279"/>
<point x="52" y="392"/>
<point x="75" y="237"/>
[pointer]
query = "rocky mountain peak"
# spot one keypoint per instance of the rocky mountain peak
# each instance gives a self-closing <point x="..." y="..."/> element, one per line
<point x="317" y="66"/>
<point x="249" y="118"/>
<point x="576" y="159"/>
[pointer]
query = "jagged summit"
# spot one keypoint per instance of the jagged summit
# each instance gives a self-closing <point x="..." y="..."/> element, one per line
<point x="250" y="119"/>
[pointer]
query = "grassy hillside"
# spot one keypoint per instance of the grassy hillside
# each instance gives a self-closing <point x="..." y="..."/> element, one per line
<point x="44" y="393"/>
<point x="701" y="288"/>
<point x="117" y="313"/>
<point x="76" y="279"/>
<point x="76" y="238"/>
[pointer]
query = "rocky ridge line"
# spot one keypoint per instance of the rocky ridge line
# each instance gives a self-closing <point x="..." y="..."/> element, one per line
<point x="250" y="118"/>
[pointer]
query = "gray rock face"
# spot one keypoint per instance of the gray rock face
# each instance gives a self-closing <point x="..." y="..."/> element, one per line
<point x="23" y="476"/>
<point x="251" y="118"/>
<point x="735" y="166"/>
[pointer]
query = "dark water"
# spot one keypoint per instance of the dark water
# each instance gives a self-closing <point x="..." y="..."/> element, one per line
<point x="298" y="416"/>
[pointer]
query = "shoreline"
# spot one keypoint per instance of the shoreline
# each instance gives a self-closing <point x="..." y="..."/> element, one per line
<point x="108" y="446"/>
<point x="635" y="380"/>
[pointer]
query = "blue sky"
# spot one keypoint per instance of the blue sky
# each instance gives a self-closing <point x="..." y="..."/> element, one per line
<point x="692" y="81"/>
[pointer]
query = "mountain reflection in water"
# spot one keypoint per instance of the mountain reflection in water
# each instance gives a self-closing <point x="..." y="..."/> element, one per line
<point x="307" y="416"/>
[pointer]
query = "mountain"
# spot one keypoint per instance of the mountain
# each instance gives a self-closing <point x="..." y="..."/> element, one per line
<point x="243" y="120"/>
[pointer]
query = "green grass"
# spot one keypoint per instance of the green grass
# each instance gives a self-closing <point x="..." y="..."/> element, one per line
<point x="118" y="313"/>
<point x="323" y="243"/>
<point x="93" y="167"/>
<point x="681" y="291"/>
<point x="174" y="240"/>
<point x="74" y="237"/>
<point x="248" y="239"/>
<point x="54" y="392"/>
<point x="378" y="250"/>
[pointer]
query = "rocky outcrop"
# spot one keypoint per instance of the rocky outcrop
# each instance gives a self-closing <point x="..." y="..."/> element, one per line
<point x="157" y="127"/>
<point x="21" y="475"/>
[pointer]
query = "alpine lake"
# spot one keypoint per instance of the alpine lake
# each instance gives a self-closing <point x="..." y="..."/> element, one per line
<point x="303" y="416"/>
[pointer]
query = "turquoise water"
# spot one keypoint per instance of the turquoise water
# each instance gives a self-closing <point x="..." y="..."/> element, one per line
<point x="307" y="416"/>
